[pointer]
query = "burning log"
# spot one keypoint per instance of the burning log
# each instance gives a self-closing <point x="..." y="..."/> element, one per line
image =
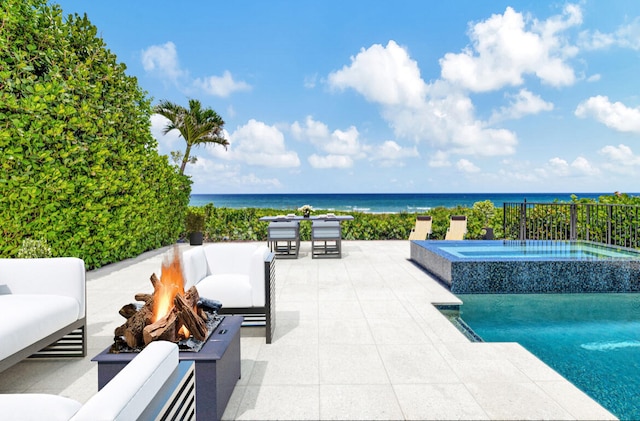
<point x="143" y="297"/>
<point x="128" y="310"/>
<point x="168" y="314"/>
<point x="164" y="329"/>
<point x="193" y="298"/>
<point x="187" y="316"/>
<point x="134" y="326"/>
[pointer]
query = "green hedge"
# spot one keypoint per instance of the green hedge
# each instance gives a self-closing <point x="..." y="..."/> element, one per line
<point x="222" y="224"/>
<point x="79" y="166"/>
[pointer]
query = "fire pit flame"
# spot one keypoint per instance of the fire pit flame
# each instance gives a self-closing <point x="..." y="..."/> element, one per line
<point x="170" y="313"/>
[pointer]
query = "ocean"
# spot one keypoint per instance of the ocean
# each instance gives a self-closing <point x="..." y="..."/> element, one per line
<point x="377" y="203"/>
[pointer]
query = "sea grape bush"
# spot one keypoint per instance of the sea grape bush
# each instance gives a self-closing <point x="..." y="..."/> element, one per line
<point x="227" y="224"/>
<point x="79" y="165"/>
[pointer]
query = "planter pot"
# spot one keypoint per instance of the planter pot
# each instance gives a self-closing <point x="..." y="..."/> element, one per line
<point x="195" y="238"/>
<point x="488" y="233"/>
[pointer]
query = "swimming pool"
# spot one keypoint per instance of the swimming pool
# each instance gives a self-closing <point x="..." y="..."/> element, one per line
<point x="477" y="266"/>
<point x="593" y="340"/>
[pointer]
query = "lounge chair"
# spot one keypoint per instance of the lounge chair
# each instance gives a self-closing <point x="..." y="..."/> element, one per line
<point x="422" y="230"/>
<point x="457" y="228"/>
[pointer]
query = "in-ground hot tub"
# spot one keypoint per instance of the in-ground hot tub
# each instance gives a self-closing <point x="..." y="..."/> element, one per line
<point x="476" y="266"/>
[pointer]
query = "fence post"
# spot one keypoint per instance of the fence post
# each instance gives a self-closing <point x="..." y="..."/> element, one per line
<point x="523" y="220"/>
<point x="608" y="224"/>
<point x="573" y="224"/>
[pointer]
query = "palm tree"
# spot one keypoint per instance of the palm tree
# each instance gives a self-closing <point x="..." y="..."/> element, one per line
<point x="196" y="125"/>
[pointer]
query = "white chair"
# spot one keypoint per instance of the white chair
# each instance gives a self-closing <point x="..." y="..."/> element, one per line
<point x="283" y="238"/>
<point x="326" y="239"/>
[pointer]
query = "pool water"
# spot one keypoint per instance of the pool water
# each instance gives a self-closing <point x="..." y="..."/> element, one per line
<point x="593" y="340"/>
<point x="571" y="250"/>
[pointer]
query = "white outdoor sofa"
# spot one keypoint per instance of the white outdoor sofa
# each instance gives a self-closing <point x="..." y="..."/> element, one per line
<point x="152" y="386"/>
<point x="42" y="309"/>
<point x="239" y="275"/>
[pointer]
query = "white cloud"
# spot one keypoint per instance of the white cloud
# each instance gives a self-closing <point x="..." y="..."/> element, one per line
<point x="504" y="50"/>
<point x="390" y="153"/>
<point x="345" y="143"/>
<point x="256" y="143"/>
<point x="615" y="115"/>
<point x="467" y="166"/>
<point x="339" y="148"/>
<point x="330" y="161"/>
<point x="621" y="155"/>
<point x="310" y="81"/>
<point x="625" y="36"/>
<point x="162" y="61"/>
<point x="386" y="75"/>
<point x="314" y="131"/>
<point x="167" y="142"/>
<point x="439" y="159"/>
<point x="522" y="104"/>
<point x="221" y="86"/>
<point x="561" y="168"/>
<point x="437" y="113"/>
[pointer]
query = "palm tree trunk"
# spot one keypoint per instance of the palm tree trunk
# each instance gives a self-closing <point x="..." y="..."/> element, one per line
<point x="185" y="159"/>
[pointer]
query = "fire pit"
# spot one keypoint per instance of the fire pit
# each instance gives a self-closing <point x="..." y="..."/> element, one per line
<point x="172" y="314"/>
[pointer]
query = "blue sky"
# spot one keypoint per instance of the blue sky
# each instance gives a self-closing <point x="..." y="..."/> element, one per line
<point x="404" y="96"/>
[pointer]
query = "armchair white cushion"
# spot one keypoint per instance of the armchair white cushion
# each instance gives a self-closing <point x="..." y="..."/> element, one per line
<point x="239" y="275"/>
<point x="125" y="397"/>
<point x="232" y="273"/>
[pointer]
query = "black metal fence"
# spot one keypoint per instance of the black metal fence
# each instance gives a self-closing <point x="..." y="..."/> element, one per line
<point x="603" y="223"/>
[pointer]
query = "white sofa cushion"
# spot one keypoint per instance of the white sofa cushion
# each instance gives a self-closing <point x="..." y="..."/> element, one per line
<point x="124" y="398"/>
<point x="36" y="407"/>
<point x="51" y="276"/>
<point x="129" y="393"/>
<point x="231" y="289"/>
<point x="27" y="318"/>
<point x="194" y="267"/>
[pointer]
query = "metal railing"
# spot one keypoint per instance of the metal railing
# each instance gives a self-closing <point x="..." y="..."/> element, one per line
<point x="603" y="223"/>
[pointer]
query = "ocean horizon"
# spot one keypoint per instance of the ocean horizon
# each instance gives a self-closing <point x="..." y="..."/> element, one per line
<point x="377" y="202"/>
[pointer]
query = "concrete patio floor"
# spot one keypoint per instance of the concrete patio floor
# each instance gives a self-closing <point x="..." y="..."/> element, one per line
<point x="356" y="338"/>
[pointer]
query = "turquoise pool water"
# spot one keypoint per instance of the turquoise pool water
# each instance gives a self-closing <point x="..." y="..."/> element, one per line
<point x="593" y="340"/>
<point x="547" y="250"/>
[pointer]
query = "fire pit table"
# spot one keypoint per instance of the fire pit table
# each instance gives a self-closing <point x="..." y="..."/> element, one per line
<point x="217" y="367"/>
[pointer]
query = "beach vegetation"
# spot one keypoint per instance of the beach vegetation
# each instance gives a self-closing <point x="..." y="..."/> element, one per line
<point x="196" y="125"/>
<point x="80" y="168"/>
<point x="230" y="224"/>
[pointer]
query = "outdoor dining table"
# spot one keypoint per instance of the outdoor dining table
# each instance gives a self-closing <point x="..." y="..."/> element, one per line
<point x="307" y="218"/>
<point x="326" y="234"/>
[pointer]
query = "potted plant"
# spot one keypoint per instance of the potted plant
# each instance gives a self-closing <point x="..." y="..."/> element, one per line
<point x="306" y="210"/>
<point x="195" y="225"/>
<point x="487" y="210"/>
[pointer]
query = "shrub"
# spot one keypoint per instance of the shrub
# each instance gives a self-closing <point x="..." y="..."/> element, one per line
<point x="80" y="167"/>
